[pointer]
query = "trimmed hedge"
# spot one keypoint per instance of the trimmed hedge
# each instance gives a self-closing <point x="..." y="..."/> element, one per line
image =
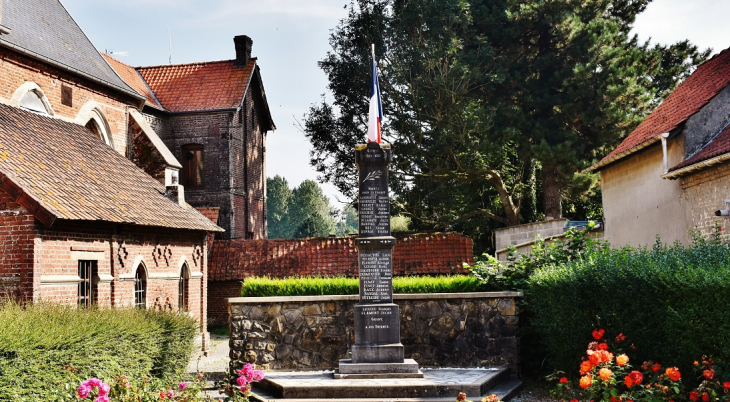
<point x="315" y="286"/>
<point x="43" y="347"/>
<point x="670" y="301"/>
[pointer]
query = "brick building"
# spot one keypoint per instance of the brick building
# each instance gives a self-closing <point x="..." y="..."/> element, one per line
<point x="670" y="175"/>
<point x="80" y="222"/>
<point x="214" y="117"/>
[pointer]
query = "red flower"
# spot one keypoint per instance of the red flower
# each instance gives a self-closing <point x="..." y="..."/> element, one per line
<point x="585" y="367"/>
<point x="594" y="359"/>
<point x="709" y="374"/>
<point x="620" y="338"/>
<point x="573" y="400"/>
<point x="673" y="374"/>
<point x="461" y="396"/>
<point x="705" y="397"/>
<point x="694" y="395"/>
<point x="656" y="367"/>
<point x="598" y="334"/>
<point x="726" y="385"/>
<point x="602" y="346"/>
<point x="633" y="378"/>
<point x="564" y="380"/>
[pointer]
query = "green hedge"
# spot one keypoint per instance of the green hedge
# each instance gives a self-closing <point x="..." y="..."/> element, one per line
<point x="671" y="301"/>
<point x="314" y="286"/>
<point x="43" y="347"/>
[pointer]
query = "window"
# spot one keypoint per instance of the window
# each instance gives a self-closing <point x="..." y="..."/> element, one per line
<point x="182" y="291"/>
<point x="87" y="286"/>
<point x="93" y="126"/>
<point x="140" y="288"/>
<point x="192" y="174"/>
<point x="33" y="102"/>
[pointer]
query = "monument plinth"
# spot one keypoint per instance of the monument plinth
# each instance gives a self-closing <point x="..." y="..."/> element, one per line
<point x="377" y="349"/>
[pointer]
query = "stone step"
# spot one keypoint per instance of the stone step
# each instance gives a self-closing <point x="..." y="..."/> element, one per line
<point x="436" y="383"/>
<point x="505" y="391"/>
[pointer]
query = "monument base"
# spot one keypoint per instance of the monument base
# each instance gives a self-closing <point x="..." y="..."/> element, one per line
<point x="382" y="353"/>
<point x="408" y="368"/>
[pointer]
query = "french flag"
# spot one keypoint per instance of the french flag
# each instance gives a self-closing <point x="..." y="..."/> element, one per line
<point x="375" y="116"/>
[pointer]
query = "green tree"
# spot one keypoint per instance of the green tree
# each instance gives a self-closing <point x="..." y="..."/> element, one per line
<point x="489" y="103"/>
<point x="278" y="201"/>
<point x="349" y="221"/>
<point x="310" y="213"/>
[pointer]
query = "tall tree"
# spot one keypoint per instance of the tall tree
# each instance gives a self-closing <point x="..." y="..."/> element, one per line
<point x="278" y="201"/>
<point x="482" y="95"/>
<point x="310" y="212"/>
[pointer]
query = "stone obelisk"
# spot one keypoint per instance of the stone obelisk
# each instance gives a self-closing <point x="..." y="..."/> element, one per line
<point x="377" y="350"/>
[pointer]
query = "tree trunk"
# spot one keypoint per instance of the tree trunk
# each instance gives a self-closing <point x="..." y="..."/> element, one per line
<point x="551" y="192"/>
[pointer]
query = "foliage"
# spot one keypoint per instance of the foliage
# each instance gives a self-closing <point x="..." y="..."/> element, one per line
<point x="672" y="298"/>
<point x="608" y="375"/>
<point x="349" y="221"/>
<point x="43" y="347"/>
<point x="399" y="223"/>
<point x="302" y="212"/>
<point x="306" y="286"/>
<point x="485" y="99"/>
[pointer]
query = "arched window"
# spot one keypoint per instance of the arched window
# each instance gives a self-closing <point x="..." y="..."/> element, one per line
<point x="92" y="117"/>
<point x="30" y="96"/>
<point x="140" y="287"/>
<point x="182" y="290"/>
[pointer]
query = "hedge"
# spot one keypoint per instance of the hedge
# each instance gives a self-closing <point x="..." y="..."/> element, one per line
<point x="670" y="301"/>
<point x="315" y="286"/>
<point x="43" y="347"/>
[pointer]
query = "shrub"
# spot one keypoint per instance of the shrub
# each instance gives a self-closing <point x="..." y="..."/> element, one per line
<point x="313" y="286"/>
<point x="43" y="346"/>
<point x="670" y="300"/>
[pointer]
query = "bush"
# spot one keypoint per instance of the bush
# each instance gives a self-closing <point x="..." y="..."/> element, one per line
<point x="43" y="346"/>
<point x="314" y="286"/>
<point x="671" y="301"/>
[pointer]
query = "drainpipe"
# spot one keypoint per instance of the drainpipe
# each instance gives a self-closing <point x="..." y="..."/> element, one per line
<point x="664" y="152"/>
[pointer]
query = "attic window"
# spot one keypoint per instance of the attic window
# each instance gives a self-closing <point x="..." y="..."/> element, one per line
<point x="32" y="101"/>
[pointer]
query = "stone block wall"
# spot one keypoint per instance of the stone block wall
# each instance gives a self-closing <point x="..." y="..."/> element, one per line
<point x="314" y="332"/>
<point x="514" y="235"/>
<point x="705" y="192"/>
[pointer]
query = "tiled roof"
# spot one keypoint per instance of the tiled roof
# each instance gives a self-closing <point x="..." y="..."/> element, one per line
<point x="689" y="97"/>
<point x="59" y="170"/>
<point x="44" y="30"/>
<point x="715" y="147"/>
<point x="132" y="77"/>
<point x="199" y="86"/>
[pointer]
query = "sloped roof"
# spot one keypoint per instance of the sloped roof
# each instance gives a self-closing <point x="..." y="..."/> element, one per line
<point x="689" y="97"/>
<point x="60" y="170"/>
<point x="199" y="86"/>
<point x="44" y="30"/>
<point x="716" y="150"/>
<point x="134" y="80"/>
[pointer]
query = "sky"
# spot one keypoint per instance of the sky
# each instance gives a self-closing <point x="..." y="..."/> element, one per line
<point x="291" y="36"/>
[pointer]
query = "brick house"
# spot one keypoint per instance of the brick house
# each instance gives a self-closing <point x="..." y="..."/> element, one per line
<point x="214" y="117"/>
<point x="670" y="175"/>
<point x="80" y="223"/>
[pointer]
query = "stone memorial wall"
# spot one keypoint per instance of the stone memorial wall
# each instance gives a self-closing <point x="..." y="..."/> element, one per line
<point x="436" y="330"/>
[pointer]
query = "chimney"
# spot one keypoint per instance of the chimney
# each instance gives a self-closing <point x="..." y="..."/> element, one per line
<point x="243" y="49"/>
<point x="176" y="194"/>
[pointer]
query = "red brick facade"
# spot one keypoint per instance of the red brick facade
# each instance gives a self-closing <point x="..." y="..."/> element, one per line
<point x="231" y="261"/>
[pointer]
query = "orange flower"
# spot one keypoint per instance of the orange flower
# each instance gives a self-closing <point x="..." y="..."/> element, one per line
<point x="604" y="356"/>
<point x="622" y="359"/>
<point x="586" y="381"/>
<point x="598" y="334"/>
<point x="594" y="359"/>
<point x="602" y="346"/>
<point x="605" y="374"/>
<point x="709" y="374"/>
<point x="633" y="378"/>
<point x="673" y="374"/>
<point x="585" y="367"/>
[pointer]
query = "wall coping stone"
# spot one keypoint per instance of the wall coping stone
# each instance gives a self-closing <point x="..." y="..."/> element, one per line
<point x="396" y="296"/>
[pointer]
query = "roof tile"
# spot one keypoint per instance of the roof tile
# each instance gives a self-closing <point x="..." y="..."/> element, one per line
<point x="75" y="176"/>
<point x="132" y="77"/>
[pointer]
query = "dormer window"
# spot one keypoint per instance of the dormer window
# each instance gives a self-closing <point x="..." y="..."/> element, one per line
<point x="29" y="96"/>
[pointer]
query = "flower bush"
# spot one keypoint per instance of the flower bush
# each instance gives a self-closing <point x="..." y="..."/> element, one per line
<point x="246" y="377"/>
<point x="610" y="377"/>
<point x="491" y="398"/>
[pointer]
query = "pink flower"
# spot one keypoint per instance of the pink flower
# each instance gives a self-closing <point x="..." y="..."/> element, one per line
<point x="242" y="381"/>
<point x="94" y="382"/>
<point x="84" y="391"/>
<point x="258" y="375"/>
<point x="101" y="398"/>
<point x="170" y="394"/>
<point x="104" y="389"/>
<point x="183" y="385"/>
<point x="247" y="371"/>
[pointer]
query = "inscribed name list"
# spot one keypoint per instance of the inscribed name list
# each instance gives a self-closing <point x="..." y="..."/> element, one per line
<point x="376" y="276"/>
<point x="374" y="205"/>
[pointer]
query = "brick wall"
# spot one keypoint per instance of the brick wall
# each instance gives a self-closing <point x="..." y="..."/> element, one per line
<point x="18" y="69"/>
<point x="705" y="192"/>
<point x="231" y="261"/>
<point x="16" y="249"/>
